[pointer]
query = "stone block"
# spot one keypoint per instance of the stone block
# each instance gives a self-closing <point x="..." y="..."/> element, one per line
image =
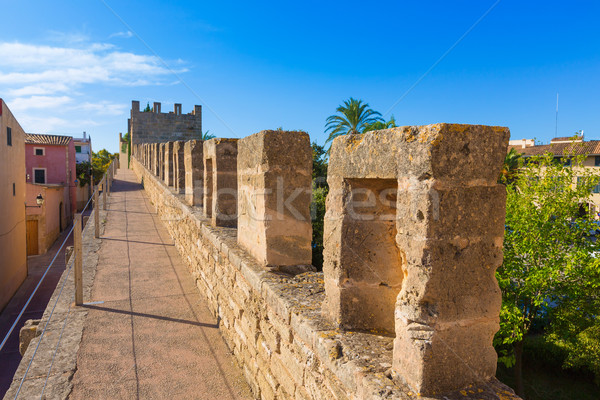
<point x="220" y="181"/>
<point x="274" y="174"/>
<point x="161" y="161"/>
<point x="194" y="172"/>
<point x="413" y="236"/>
<point x="27" y="333"/>
<point x="178" y="166"/>
<point x="169" y="181"/>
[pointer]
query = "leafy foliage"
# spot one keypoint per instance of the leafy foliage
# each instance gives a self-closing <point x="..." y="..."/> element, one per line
<point x="550" y="278"/>
<point x="319" y="169"/>
<point x="510" y="167"/>
<point x="207" y="136"/>
<point x="147" y="109"/>
<point x="100" y="162"/>
<point x="83" y="173"/>
<point x="377" y="125"/>
<point x="354" y="117"/>
<point x="320" y="190"/>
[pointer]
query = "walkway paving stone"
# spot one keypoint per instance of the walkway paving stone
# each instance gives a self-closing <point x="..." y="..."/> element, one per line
<point x="152" y="337"/>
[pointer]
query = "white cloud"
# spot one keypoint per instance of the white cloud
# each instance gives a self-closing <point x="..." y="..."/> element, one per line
<point x="50" y="87"/>
<point x="126" y="35"/>
<point x="39" y="102"/>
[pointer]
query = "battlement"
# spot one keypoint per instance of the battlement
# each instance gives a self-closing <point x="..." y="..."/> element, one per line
<point x="158" y="127"/>
<point x="407" y="301"/>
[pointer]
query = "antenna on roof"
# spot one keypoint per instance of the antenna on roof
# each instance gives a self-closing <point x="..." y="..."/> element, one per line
<point x="556" y="125"/>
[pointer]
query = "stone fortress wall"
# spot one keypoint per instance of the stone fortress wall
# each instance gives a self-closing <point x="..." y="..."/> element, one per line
<point x="157" y="127"/>
<point x="407" y="304"/>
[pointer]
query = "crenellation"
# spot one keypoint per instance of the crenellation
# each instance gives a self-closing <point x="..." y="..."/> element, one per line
<point x="158" y="127"/>
<point x="408" y="293"/>
<point x="220" y="181"/>
<point x="169" y="175"/>
<point x="274" y="174"/>
<point x="178" y="166"/>
<point x="194" y="172"/>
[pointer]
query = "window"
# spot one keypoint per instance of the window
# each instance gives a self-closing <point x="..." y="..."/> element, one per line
<point x="77" y="149"/>
<point x="597" y="161"/>
<point x="38" y="151"/>
<point x="14" y="190"/>
<point x="9" y="136"/>
<point x="39" y="175"/>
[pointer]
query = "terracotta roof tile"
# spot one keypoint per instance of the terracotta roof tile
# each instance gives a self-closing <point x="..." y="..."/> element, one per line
<point x="559" y="149"/>
<point x="34" y="138"/>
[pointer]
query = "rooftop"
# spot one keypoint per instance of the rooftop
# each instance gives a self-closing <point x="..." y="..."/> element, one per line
<point x="577" y="148"/>
<point x="35" y="138"/>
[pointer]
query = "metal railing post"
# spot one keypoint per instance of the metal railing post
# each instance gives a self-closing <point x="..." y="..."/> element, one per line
<point x="96" y="215"/>
<point x="78" y="261"/>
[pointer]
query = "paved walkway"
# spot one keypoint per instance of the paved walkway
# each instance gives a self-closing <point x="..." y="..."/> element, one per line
<point x="152" y="337"/>
<point x="36" y="266"/>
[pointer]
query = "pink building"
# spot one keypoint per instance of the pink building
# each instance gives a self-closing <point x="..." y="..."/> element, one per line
<point x="50" y="161"/>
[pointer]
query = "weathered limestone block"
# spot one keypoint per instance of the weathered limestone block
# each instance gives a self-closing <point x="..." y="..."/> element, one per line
<point x="27" y="333"/>
<point x="413" y="236"/>
<point x="155" y="158"/>
<point x="147" y="155"/>
<point x="178" y="166"/>
<point x="161" y="161"/>
<point x="169" y="164"/>
<point x="220" y="181"/>
<point x="274" y="174"/>
<point x="194" y="172"/>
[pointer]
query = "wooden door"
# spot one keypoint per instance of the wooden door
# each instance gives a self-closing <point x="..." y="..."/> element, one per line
<point x="32" y="237"/>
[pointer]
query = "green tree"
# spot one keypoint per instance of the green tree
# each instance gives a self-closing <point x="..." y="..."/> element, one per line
<point x="550" y="273"/>
<point x="319" y="194"/>
<point x="512" y="163"/>
<point x="100" y="162"/>
<point x="319" y="169"/>
<point x="147" y="109"/>
<point x="354" y="117"/>
<point x="377" y="125"/>
<point x="83" y="173"/>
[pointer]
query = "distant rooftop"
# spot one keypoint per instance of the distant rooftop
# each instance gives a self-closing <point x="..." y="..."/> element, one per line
<point x="35" y="138"/>
<point x="563" y="148"/>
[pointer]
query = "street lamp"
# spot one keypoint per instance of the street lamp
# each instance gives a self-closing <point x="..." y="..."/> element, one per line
<point x="39" y="200"/>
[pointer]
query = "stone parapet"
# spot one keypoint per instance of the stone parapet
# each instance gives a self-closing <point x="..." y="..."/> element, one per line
<point x="414" y="231"/>
<point x="273" y="322"/>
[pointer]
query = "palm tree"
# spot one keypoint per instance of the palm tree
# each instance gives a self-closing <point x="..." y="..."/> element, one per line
<point x="510" y="167"/>
<point x="207" y="136"/>
<point x="377" y="125"/>
<point x="355" y="117"/>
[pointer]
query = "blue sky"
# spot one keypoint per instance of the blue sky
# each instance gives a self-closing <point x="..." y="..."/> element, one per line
<point x="76" y="66"/>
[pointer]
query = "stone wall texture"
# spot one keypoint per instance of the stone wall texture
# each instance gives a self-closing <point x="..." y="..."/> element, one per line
<point x="274" y="323"/>
<point x="413" y="237"/>
<point x="157" y="127"/>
